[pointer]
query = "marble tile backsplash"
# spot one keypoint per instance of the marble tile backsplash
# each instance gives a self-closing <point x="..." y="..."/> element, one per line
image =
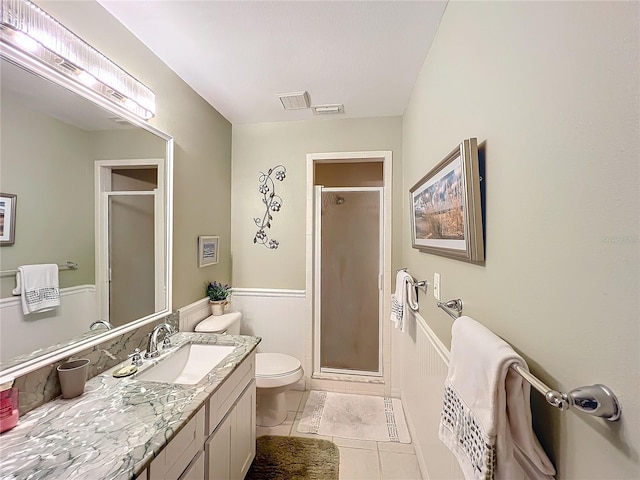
<point x="41" y="386"/>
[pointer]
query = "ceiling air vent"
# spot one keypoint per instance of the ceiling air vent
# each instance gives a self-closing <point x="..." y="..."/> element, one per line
<point x="328" y="109"/>
<point x="294" y="100"/>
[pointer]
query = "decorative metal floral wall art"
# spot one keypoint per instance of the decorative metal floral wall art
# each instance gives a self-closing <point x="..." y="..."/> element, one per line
<point x="272" y="202"/>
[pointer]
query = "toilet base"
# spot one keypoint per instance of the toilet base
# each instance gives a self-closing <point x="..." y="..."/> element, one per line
<point x="271" y="406"/>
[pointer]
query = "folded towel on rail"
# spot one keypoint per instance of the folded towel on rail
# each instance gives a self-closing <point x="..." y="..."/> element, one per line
<point x="38" y="286"/>
<point x="403" y="299"/>
<point x="486" y="415"/>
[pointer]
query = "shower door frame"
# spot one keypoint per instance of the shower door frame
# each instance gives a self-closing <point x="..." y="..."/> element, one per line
<point x="317" y="260"/>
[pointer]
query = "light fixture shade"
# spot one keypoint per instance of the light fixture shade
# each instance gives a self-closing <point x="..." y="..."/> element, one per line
<point x="328" y="109"/>
<point x="25" y="26"/>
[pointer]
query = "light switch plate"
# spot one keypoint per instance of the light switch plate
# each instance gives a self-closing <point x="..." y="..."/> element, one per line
<point x="436" y="286"/>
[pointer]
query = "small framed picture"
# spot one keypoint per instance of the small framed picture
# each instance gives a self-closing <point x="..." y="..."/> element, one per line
<point x="207" y="250"/>
<point x="7" y="218"/>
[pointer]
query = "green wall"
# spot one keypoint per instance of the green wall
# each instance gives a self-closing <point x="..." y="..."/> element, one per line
<point x="258" y="147"/>
<point x="552" y="87"/>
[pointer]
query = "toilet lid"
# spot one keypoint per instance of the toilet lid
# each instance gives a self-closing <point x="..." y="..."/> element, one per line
<point x="275" y="364"/>
<point x="217" y="323"/>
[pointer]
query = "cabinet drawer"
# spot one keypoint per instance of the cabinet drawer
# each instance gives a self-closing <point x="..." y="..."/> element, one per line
<point x="222" y="401"/>
<point x="176" y="456"/>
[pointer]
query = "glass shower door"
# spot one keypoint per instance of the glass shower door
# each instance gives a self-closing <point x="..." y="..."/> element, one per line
<point x="350" y="261"/>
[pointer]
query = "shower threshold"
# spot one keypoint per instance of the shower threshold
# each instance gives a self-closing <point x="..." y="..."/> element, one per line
<point x="356" y="377"/>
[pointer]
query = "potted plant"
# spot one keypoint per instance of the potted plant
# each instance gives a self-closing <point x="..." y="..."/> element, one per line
<point x="218" y="294"/>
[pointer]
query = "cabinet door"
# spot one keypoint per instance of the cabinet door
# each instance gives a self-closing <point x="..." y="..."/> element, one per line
<point x="176" y="456"/>
<point x="196" y="469"/>
<point x="244" y="444"/>
<point x="218" y="451"/>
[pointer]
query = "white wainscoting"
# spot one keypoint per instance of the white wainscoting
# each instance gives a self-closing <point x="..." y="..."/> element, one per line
<point x="26" y="333"/>
<point x="423" y="368"/>
<point x="275" y="315"/>
<point x="278" y="316"/>
<point x="192" y="314"/>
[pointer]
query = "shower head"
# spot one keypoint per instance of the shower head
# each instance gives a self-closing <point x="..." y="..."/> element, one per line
<point x="339" y="200"/>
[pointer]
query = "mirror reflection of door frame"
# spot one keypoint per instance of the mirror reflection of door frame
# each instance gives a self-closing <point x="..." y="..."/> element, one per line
<point x="103" y="191"/>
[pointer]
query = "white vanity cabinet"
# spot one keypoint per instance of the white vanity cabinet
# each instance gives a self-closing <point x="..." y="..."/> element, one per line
<point x="219" y="443"/>
<point x="179" y="456"/>
<point x="231" y="445"/>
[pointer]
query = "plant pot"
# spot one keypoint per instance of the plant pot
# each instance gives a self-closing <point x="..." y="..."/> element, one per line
<point x="218" y="306"/>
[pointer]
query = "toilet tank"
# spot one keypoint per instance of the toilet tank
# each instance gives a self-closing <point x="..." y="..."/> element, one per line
<point x="228" y="323"/>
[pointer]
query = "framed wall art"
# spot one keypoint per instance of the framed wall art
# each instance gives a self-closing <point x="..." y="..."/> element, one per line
<point x="446" y="207"/>
<point x="7" y="218"/>
<point x="207" y="250"/>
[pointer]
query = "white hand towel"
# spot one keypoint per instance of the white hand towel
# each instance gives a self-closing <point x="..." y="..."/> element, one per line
<point x="486" y="416"/>
<point x="403" y="300"/>
<point x="38" y="285"/>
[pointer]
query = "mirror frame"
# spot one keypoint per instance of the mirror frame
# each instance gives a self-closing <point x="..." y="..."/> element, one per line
<point x="35" y="67"/>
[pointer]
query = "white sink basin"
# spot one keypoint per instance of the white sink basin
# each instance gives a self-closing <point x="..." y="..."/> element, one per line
<point x="187" y="365"/>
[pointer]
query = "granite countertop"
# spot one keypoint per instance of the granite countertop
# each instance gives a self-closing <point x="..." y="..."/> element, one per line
<point x="117" y="426"/>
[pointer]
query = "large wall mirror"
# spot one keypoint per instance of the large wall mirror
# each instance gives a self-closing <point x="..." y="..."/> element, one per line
<point x="92" y="186"/>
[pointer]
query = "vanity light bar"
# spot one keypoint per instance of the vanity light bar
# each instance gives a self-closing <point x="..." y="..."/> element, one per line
<point x="25" y="26"/>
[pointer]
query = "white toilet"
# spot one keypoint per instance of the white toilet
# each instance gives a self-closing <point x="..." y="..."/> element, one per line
<point x="275" y="372"/>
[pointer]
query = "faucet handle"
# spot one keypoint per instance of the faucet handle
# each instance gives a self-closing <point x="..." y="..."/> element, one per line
<point x="136" y="358"/>
<point x="166" y="343"/>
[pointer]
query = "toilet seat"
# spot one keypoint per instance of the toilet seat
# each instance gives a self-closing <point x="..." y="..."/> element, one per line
<point x="277" y="370"/>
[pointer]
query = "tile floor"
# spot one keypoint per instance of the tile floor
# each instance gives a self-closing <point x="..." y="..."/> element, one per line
<point x="359" y="459"/>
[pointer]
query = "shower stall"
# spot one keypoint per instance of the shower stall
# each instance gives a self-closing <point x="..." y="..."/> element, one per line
<point x="348" y="267"/>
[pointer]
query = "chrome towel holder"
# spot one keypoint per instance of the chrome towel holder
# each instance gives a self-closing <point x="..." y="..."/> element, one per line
<point x="597" y="400"/>
<point x="422" y="284"/>
<point x="453" y="308"/>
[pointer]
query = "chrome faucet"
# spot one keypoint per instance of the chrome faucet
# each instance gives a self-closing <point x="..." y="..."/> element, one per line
<point x="152" y="347"/>
<point x="97" y="324"/>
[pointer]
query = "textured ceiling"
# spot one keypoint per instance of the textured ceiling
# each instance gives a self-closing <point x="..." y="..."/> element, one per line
<point x="239" y="54"/>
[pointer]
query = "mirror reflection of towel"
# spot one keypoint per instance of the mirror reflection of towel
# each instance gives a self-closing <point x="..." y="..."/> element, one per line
<point x="38" y="286"/>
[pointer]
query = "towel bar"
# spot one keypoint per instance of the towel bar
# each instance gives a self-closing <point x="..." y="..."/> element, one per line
<point x="422" y="284"/>
<point x="66" y="266"/>
<point x="450" y="306"/>
<point x="597" y="400"/>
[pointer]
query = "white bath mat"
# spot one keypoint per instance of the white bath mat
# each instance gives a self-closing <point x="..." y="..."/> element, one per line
<point x="360" y="417"/>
